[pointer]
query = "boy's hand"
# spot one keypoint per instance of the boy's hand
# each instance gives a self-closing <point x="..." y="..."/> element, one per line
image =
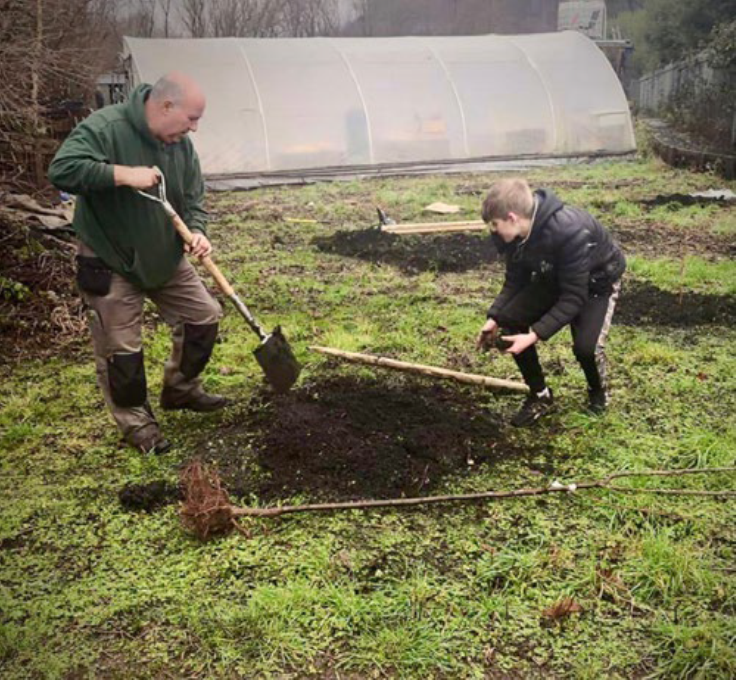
<point x="487" y="335"/>
<point x="520" y="342"/>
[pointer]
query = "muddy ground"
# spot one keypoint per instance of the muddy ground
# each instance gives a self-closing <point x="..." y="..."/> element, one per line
<point x="642" y="304"/>
<point x="461" y="252"/>
<point x="415" y="253"/>
<point x="346" y="438"/>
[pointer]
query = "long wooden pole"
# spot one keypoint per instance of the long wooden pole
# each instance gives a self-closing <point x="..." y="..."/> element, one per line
<point x="432" y="371"/>
<point x="434" y="227"/>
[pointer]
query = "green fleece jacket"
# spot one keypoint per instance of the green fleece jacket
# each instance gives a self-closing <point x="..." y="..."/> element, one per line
<point x="131" y="234"/>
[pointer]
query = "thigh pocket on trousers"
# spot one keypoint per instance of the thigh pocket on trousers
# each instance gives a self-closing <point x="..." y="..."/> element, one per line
<point x="127" y="376"/>
<point x="93" y="275"/>
<point x="199" y="339"/>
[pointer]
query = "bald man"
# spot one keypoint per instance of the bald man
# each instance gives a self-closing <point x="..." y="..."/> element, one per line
<point x="129" y="250"/>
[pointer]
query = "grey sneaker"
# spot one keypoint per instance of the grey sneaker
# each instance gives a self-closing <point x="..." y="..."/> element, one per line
<point x="534" y="407"/>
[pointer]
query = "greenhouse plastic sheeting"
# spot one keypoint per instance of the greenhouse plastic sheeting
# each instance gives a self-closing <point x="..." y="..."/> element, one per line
<point x="280" y="105"/>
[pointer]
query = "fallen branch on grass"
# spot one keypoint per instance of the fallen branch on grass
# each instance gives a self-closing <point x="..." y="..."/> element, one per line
<point x="207" y="509"/>
<point x="498" y="384"/>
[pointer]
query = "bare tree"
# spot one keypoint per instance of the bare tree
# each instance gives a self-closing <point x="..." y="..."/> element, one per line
<point x="165" y="6"/>
<point x="194" y="17"/>
<point x="447" y="17"/>
<point x="141" y="21"/>
<point x="254" y="18"/>
<point x="47" y="60"/>
<point x="362" y="24"/>
<point x="259" y="18"/>
<point x="309" y="18"/>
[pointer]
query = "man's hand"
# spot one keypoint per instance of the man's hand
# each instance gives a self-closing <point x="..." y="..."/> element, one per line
<point x="520" y="342"/>
<point x="136" y="177"/>
<point x="487" y="335"/>
<point x="200" y="245"/>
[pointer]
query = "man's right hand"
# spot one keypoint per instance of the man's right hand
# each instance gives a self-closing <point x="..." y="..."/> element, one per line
<point x="487" y="335"/>
<point x="136" y="177"/>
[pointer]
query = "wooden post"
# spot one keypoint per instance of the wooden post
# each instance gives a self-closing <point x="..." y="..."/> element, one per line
<point x="497" y="384"/>
<point x="434" y="227"/>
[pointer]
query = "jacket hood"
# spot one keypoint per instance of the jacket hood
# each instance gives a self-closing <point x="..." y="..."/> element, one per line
<point x="547" y="205"/>
<point x="135" y="112"/>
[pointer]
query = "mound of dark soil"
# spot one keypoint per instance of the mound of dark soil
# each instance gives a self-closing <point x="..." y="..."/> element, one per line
<point x="351" y="439"/>
<point x="644" y="304"/>
<point x="413" y="253"/>
<point x="675" y="201"/>
<point x="660" y="241"/>
<point x="150" y="496"/>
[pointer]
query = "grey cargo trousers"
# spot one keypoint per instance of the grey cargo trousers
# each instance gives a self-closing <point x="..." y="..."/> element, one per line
<point x="115" y="322"/>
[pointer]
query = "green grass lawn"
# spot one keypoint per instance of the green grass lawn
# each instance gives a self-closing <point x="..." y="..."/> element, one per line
<point x="88" y="589"/>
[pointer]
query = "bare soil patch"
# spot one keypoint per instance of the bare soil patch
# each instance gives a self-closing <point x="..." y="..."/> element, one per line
<point x="413" y="254"/>
<point x="659" y="240"/>
<point x="348" y="439"/>
<point x="642" y="303"/>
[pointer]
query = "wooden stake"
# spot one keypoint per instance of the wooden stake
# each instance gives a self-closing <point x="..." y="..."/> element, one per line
<point x="432" y="371"/>
<point x="434" y="227"/>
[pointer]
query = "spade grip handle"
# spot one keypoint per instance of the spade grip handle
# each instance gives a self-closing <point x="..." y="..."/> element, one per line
<point x="209" y="265"/>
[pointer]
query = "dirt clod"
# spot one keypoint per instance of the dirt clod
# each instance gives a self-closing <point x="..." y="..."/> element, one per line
<point x="149" y="497"/>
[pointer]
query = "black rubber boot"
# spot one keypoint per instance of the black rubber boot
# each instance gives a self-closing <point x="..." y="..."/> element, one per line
<point x="150" y="442"/>
<point x="201" y="403"/>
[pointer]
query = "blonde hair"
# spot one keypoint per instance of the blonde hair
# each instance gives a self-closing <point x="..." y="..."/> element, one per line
<point x="508" y="195"/>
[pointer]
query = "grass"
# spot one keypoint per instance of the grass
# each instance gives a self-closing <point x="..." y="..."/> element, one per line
<point x="690" y="272"/>
<point x="87" y="589"/>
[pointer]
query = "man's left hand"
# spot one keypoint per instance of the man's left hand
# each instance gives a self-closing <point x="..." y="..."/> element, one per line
<point x="520" y="342"/>
<point x="200" y="245"/>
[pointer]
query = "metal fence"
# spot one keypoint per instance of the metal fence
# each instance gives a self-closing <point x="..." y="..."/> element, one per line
<point x="653" y="92"/>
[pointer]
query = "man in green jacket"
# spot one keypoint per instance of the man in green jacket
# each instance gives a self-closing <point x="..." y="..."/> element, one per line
<point x="129" y="250"/>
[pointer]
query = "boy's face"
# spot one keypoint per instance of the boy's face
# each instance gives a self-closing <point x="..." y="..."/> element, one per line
<point x="511" y="228"/>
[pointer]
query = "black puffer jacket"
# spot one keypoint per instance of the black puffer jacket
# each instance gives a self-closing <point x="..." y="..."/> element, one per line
<point x="568" y="249"/>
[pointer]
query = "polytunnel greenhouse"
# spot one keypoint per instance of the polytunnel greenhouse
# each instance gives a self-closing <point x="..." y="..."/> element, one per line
<point x="291" y="106"/>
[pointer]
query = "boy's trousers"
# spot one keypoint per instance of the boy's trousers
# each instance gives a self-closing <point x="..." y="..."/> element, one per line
<point x="589" y="331"/>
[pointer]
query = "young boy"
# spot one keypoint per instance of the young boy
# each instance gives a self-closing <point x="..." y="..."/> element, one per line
<point x="562" y="267"/>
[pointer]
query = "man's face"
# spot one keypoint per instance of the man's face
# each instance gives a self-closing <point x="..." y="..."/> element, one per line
<point x="180" y="118"/>
<point x="508" y="229"/>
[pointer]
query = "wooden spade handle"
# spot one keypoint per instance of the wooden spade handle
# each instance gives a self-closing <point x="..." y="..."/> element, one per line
<point x="209" y="265"/>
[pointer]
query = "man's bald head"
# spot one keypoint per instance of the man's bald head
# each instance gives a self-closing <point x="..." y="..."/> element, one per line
<point x="174" y="107"/>
<point x="175" y="87"/>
